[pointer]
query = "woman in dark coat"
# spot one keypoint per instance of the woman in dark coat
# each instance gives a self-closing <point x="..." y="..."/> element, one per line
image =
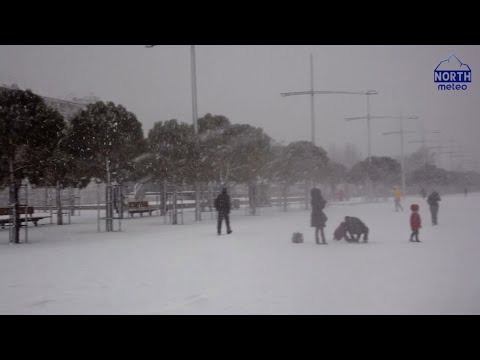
<point x="433" y="201"/>
<point x="319" y="219"/>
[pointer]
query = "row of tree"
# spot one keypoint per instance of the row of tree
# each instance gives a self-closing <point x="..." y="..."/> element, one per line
<point x="106" y="142"/>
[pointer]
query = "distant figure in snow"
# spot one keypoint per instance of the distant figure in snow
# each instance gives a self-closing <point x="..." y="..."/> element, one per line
<point x="433" y="201"/>
<point x="318" y="218"/>
<point x="351" y="230"/>
<point x="423" y="192"/>
<point x="465" y="192"/>
<point x="397" y="195"/>
<point x="415" y="222"/>
<point x="223" y="206"/>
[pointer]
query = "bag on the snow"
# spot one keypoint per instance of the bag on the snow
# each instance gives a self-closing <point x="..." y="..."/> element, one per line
<point x="297" y="238"/>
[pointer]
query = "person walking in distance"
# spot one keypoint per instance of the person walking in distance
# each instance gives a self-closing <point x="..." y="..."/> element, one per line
<point x="223" y="206"/>
<point x="433" y="201"/>
<point x="397" y="194"/>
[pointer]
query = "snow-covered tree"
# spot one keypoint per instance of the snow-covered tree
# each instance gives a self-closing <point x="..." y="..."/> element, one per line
<point x="29" y="134"/>
<point x="109" y="138"/>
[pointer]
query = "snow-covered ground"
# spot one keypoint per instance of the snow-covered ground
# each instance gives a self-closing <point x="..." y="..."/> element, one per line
<point x="152" y="268"/>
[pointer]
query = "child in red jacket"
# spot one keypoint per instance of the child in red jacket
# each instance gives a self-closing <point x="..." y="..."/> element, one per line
<point x="415" y="222"/>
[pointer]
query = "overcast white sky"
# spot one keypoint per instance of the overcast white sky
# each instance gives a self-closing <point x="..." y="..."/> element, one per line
<point x="244" y="83"/>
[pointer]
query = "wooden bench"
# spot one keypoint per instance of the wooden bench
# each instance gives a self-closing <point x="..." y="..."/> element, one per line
<point x="139" y="207"/>
<point x="22" y="210"/>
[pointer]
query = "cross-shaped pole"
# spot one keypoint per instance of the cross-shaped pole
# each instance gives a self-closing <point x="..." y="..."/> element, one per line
<point x="402" y="132"/>
<point x="312" y="94"/>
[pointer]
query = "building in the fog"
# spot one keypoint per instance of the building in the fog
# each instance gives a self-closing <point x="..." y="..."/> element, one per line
<point x="68" y="109"/>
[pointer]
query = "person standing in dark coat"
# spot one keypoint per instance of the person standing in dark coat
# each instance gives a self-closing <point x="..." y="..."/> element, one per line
<point x="319" y="219"/>
<point x="433" y="201"/>
<point x="223" y="206"/>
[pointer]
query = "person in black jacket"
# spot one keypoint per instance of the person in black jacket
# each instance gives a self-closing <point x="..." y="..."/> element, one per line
<point x="223" y="206"/>
<point x="351" y="230"/>
<point x="433" y="201"/>
<point x="356" y="228"/>
<point x="319" y="219"/>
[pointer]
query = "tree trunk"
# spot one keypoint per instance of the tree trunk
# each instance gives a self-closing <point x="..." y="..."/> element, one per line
<point x="164" y="199"/>
<point x="252" y="197"/>
<point x="45" y="209"/>
<point x="59" y="205"/>
<point x="120" y="199"/>
<point x="307" y="186"/>
<point x="15" y="229"/>
<point x="71" y="192"/>
<point x="174" y="204"/>
<point x="285" y="190"/>
<point x="108" y="199"/>
<point x="202" y="197"/>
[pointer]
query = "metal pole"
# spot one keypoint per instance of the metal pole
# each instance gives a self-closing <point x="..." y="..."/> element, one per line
<point x="98" y="207"/>
<point x="157" y="198"/>
<point x="58" y="199"/>
<point x="369" y="150"/>
<point x="181" y="202"/>
<point x="71" y="208"/>
<point x="312" y="100"/>
<point x="165" y="202"/>
<point x="195" y="125"/>
<point x="312" y="117"/>
<point x="174" y="206"/>
<point x="13" y="204"/>
<point x="120" y="190"/>
<point x="402" y="155"/>
<point x="194" y="89"/>
<point x="26" y="213"/>
<point x="108" y="199"/>
<point x="211" y="201"/>
<point x="369" y="136"/>
<point x="50" y="198"/>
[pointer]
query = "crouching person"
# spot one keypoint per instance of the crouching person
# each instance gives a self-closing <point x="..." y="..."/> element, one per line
<point x="352" y="230"/>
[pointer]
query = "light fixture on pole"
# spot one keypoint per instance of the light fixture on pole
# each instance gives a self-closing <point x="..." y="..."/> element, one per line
<point x="312" y="93"/>
<point x="368" y="118"/>
<point x="402" y="133"/>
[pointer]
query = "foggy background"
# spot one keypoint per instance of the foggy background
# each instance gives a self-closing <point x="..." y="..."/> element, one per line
<point x="244" y="83"/>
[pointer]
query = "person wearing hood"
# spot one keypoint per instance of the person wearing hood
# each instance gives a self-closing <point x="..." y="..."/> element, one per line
<point x="223" y="206"/>
<point x="433" y="201"/>
<point x="318" y="217"/>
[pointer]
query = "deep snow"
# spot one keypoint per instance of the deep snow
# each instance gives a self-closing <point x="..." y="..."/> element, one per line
<point x="152" y="268"/>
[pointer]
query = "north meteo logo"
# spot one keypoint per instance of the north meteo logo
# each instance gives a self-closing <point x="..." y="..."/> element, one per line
<point x="452" y="74"/>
